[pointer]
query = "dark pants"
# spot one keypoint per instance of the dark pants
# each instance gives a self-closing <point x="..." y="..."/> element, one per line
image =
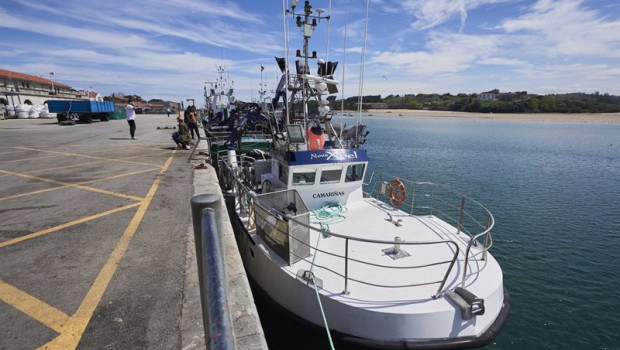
<point x="132" y="127"/>
<point x="193" y="127"/>
<point x="178" y="139"/>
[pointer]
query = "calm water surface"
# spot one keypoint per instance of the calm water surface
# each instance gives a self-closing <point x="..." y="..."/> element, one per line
<point x="554" y="190"/>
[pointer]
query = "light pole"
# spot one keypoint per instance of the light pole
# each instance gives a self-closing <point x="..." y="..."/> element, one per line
<point x="51" y="75"/>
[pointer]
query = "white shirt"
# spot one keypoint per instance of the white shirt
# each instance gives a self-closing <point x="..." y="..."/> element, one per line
<point x="130" y="114"/>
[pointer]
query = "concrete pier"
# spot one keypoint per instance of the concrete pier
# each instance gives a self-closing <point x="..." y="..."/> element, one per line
<point x="96" y="243"/>
<point x="246" y="322"/>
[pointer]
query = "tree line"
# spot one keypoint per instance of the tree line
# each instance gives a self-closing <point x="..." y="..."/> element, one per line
<point x="510" y="102"/>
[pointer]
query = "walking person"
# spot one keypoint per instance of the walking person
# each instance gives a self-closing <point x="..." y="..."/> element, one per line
<point x="193" y="122"/>
<point x="130" y="114"/>
<point x="168" y="111"/>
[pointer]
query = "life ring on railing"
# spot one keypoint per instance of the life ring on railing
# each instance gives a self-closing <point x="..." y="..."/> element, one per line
<point x="397" y="192"/>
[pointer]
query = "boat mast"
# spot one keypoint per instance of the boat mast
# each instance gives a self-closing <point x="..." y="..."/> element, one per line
<point x="308" y="24"/>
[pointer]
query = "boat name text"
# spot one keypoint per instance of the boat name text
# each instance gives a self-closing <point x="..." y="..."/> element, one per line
<point x="328" y="194"/>
<point x="334" y="155"/>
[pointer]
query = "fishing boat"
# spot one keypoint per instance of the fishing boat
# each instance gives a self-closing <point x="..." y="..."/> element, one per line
<point x="231" y="122"/>
<point x="374" y="260"/>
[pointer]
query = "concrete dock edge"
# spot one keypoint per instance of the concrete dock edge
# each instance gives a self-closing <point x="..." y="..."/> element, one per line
<point x="246" y="322"/>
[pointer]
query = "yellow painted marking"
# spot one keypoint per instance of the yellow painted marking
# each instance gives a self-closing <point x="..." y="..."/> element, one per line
<point x="65" y="225"/>
<point x="70" y="338"/>
<point x="93" y="157"/>
<point x="95" y="162"/>
<point x="33" y="307"/>
<point x="92" y="189"/>
<point x="79" y="183"/>
<point x="28" y="159"/>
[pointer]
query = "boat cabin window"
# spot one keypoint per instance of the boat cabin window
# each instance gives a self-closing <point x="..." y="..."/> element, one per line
<point x="330" y="176"/>
<point x="355" y="172"/>
<point x="304" y="177"/>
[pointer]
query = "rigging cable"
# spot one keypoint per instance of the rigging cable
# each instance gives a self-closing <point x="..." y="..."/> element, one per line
<point x="329" y="17"/>
<point x="286" y="49"/>
<point x="344" y="57"/>
<point x="361" y="85"/>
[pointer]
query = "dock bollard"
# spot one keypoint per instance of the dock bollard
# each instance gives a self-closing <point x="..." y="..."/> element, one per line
<point x="211" y="270"/>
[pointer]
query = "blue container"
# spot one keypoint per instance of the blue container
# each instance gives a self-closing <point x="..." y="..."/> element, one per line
<point x="101" y="106"/>
<point x="80" y="106"/>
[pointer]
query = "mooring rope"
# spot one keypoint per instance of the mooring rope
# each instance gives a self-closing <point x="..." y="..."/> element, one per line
<point x="316" y="291"/>
<point x="329" y="213"/>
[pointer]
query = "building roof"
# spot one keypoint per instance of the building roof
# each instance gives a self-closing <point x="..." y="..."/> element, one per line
<point x="21" y="76"/>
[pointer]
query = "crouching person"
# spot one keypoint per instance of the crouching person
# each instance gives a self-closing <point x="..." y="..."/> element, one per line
<point x="182" y="137"/>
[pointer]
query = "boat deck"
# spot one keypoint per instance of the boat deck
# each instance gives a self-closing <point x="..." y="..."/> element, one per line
<point x="375" y="279"/>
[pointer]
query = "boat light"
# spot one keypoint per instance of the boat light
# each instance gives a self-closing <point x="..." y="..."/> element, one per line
<point x="323" y="110"/>
<point x="320" y="87"/>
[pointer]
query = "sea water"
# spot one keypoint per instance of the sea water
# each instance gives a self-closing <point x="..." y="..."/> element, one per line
<point x="554" y="190"/>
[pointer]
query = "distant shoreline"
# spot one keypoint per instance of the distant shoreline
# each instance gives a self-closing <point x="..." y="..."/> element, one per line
<point x="601" y="118"/>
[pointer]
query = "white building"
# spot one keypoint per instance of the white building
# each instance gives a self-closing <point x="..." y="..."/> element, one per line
<point x="486" y="96"/>
<point x="19" y="88"/>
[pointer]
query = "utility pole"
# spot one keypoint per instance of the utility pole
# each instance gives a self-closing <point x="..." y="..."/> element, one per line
<point x="52" y="80"/>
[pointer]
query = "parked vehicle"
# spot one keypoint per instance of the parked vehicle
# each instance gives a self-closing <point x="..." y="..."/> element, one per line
<point x="82" y="110"/>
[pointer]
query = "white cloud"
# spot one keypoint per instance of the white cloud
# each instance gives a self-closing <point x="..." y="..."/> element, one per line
<point x="445" y="53"/>
<point x="569" y="28"/>
<point x="53" y="29"/>
<point x="499" y="61"/>
<point x="430" y="14"/>
<point x="171" y="47"/>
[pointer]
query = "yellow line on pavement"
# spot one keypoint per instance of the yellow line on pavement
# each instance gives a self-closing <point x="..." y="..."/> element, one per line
<point x="92" y="157"/>
<point x="33" y="307"/>
<point x="92" y="189"/>
<point x="79" y="183"/>
<point x="99" y="161"/>
<point x="29" y="159"/>
<point x="70" y="338"/>
<point x="65" y="225"/>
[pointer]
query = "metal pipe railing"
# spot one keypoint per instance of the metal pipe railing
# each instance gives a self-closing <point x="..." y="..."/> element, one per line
<point x="434" y="195"/>
<point x="346" y="257"/>
<point x="217" y="320"/>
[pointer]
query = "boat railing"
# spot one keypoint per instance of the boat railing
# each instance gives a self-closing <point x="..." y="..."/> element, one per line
<point x="467" y="215"/>
<point x="236" y="175"/>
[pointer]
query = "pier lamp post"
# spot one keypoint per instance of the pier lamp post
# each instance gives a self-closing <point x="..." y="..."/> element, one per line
<point x="52" y="80"/>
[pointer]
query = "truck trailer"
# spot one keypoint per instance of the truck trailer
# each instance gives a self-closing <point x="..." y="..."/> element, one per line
<point x="82" y="110"/>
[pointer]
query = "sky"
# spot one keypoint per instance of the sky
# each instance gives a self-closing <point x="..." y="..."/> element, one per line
<point x="171" y="49"/>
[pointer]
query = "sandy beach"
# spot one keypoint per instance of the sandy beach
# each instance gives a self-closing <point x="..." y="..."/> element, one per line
<point x="605" y="118"/>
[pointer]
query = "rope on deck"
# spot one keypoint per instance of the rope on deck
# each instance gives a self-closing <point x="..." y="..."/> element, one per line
<point x="328" y="214"/>
<point x="316" y="291"/>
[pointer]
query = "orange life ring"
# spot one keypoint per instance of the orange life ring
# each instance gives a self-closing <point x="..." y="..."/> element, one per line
<point x="397" y="192"/>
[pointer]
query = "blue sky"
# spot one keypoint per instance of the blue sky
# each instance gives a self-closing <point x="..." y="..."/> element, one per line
<point x="169" y="48"/>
